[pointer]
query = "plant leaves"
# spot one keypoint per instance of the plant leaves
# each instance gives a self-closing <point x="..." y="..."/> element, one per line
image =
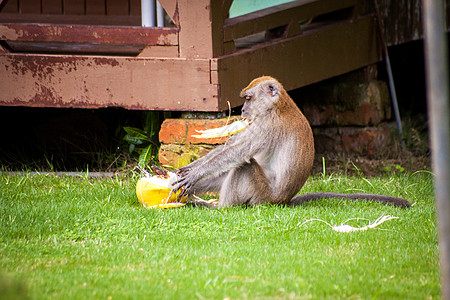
<point x="133" y="140"/>
<point x="143" y="141"/>
<point x="137" y="133"/>
<point x="131" y="148"/>
<point x="145" y="156"/>
<point x="151" y="123"/>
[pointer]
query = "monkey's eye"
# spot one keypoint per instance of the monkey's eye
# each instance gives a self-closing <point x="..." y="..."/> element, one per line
<point x="248" y="98"/>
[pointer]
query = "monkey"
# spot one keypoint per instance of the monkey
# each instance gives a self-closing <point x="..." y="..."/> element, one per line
<point x="269" y="161"/>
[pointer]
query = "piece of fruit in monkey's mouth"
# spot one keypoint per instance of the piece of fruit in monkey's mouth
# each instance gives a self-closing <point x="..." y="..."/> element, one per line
<point x="223" y="131"/>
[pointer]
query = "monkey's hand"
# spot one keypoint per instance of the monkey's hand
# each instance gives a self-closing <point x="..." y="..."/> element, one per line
<point x="186" y="180"/>
<point x="182" y="171"/>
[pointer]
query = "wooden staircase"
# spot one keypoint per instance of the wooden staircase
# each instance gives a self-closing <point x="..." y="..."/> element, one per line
<point x="198" y="62"/>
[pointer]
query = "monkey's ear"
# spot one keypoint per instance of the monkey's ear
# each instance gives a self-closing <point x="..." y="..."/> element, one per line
<point x="273" y="89"/>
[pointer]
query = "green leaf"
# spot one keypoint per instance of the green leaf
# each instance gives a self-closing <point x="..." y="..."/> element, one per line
<point x="145" y="156"/>
<point x="131" y="148"/>
<point x="134" y="140"/>
<point x="137" y="133"/>
<point x="151" y="123"/>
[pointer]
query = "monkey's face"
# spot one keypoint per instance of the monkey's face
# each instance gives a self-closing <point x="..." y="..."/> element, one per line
<point x="260" y="97"/>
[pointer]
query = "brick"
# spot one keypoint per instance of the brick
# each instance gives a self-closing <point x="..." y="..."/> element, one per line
<point x="327" y="140"/>
<point x="366" y="142"/>
<point x="180" y="131"/>
<point x="358" y="140"/>
<point x="178" y="156"/>
<point x="347" y="104"/>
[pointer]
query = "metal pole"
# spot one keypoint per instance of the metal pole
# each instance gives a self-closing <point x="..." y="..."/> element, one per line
<point x="436" y="64"/>
<point x="390" y="77"/>
<point x="394" y="99"/>
<point x="159" y="15"/>
<point x="148" y="9"/>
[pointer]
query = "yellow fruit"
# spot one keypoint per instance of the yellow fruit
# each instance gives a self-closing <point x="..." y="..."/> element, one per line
<point x="155" y="192"/>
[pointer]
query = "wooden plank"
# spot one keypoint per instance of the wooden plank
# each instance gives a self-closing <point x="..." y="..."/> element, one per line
<point x="12" y="6"/>
<point x="96" y="7"/>
<point x="88" y="34"/>
<point x="171" y="8"/>
<point x="226" y="5"/>
<point x="71" y="48"/>
<point x="3" y="49"/>
<point x="135" y="8"/>
<point x="195" y="28"/>
<point x="117" y="7"/>
<point x="71" y="19"/>
<point x="53" y="7"/>
<point x="95" y="81"/>
<point x="280" y="15"/>
<point x="402" y="20"/>
<point x="159" y="51"/>
<point x="74" y="7"/>
<point x="298" y="61"/>
<point x="30" y="6"/>
<point x="201" y="26"/>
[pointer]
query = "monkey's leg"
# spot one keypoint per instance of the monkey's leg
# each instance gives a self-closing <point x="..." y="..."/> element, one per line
<point x="245" y="184"/>
<point x="209" y="184"/>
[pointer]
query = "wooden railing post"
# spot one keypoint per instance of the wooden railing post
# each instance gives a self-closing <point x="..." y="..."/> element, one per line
<point x="200" y="26"/>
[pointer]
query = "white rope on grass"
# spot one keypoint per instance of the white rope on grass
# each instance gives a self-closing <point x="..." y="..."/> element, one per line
<point x="347" y="228"/>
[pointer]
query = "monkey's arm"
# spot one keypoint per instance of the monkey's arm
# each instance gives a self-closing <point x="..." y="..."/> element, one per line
<point x="238" y="151"/>
<point x="242" y="145"/>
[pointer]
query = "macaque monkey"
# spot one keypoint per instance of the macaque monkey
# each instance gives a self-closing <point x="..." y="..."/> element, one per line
<point x="269" y="161"/>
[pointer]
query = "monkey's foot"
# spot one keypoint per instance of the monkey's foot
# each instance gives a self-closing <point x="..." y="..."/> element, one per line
<point x="201" y="202"/>
<point x="214" y="202"/>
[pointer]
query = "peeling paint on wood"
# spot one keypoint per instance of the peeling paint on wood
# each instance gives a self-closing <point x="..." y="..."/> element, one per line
<point x="88" y="34"/>
<point x="402" y="20"/>
<point x="301" y="60"/>
<point x="92" y="82"/>
<point x="194" y="74"/>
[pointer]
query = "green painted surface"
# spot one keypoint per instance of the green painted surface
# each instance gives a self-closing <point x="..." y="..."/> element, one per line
<point x="242" y="7"/>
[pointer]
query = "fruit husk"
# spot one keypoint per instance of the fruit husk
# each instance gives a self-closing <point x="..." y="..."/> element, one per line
<point x="156" y="192"/>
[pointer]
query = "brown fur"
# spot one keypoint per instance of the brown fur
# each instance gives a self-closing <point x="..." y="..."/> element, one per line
<point x="269" y="161"/>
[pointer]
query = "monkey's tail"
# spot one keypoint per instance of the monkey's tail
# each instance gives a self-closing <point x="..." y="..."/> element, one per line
<point x="389" y="200"/>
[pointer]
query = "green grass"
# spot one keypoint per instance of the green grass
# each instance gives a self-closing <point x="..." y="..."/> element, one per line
<point x="80" y="238"/>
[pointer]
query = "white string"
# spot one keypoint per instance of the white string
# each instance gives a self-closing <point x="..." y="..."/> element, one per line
<point x="347" y="228"/>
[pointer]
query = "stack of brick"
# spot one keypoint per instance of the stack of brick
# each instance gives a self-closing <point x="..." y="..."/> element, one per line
<point x="178" y="147"/>
<point x="349" y="116"/>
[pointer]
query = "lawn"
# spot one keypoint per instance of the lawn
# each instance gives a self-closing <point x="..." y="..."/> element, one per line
<point x="83" y="238"/>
